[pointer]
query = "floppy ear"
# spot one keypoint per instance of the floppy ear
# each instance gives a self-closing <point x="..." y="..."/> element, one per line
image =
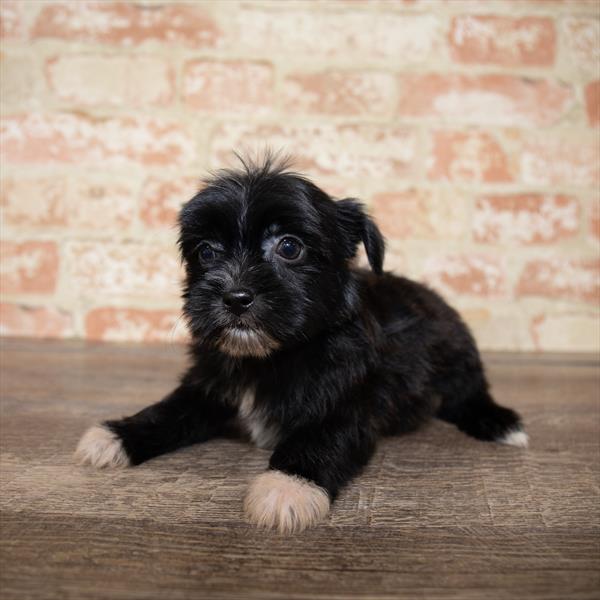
<point x="356" y="226"/>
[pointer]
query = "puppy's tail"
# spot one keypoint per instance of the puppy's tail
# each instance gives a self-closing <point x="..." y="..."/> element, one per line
<point x="479" y="416"/>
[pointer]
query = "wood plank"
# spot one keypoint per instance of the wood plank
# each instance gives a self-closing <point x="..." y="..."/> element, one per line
<point x="435" y="515"/>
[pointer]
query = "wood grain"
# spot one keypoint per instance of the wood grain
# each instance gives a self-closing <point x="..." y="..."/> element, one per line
<point x="435" y="515"/>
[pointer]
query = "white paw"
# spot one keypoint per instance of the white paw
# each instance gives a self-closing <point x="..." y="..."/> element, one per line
<point x="100" y="447"/>
<point x="516" y="437"/>
<point x="284" y="502"/>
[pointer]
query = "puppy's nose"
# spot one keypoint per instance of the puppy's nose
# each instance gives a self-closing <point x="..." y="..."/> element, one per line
<point x="238" y="301"/>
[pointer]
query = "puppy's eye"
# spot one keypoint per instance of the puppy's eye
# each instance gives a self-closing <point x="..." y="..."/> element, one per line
<point x="205" y="252"/>
<point x="289" y="248"/>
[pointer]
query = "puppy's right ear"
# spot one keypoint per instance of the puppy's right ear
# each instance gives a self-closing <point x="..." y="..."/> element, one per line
<point x="356" y="226"/>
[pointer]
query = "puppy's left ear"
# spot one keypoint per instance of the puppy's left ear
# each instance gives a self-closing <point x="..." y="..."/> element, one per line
<point x="356" y="226"/>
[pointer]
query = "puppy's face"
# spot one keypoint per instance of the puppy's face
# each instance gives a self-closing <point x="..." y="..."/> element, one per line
<point x="266" y="255"/>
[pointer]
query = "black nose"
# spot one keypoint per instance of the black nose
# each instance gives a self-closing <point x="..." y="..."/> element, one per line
<point x="238" y="301"/>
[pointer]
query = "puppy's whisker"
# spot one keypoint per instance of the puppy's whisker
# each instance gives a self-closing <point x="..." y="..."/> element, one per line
<point x="179" y="322"/>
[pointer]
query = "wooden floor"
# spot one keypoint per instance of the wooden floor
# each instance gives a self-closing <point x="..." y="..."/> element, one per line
<point x="435" y="515"/>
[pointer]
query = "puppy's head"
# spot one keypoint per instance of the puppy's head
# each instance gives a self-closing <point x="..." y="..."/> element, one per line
<point x="267" y="259"/>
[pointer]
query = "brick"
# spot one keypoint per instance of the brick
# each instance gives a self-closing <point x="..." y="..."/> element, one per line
<point x="466" y="274"/>
<point x="506" y="41"/>
<point x="348" y="35"/>
<point x="323" y="150"/>
<point x="592" y="102"/>
<point x="29" y="267"/>
<point x="90" y="80"/>
<point x="70" y="138"/>
<point x="484" y="99"/>
<point x="419" y="214"/>
<point x="564" y="332"/>
<point x="337" y="188"/>
<point x="36" y="202"/>
<point x="594" y="228"/>
<point x="128" y="269"/>
<point x="561" y="279"/>
<point x="581" y="43"/>
<point x="127" y="23"/>
<point x="395" y="260"/>
<point x="12" y="25"/>
<point x="134" y="324"/>
<point x="525" y="219"/>
<point x="86" y="202"/>
<point x="469" y="156"/>
<point x="34" y="321"/>
<point x="162" y="199"/>
<point x="494" y="329"/>
<point x="338" y="92"/>
<point x="547" y="159"/>
<point x="218" y="86"/>
<point x="19" y="85"/>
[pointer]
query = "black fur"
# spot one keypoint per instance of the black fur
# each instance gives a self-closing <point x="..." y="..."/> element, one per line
<point x="350" y="355"/>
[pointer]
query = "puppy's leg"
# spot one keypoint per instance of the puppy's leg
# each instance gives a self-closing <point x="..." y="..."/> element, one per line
<point x="305" y="474"/>
<point x="184" y="417"/>
<point x="468" y="404"/>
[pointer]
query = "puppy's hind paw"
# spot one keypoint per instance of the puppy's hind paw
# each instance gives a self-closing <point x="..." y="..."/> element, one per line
<point x="285" y="502"/>
<point x="515" y="437"/>
<point x="100" y="447"/>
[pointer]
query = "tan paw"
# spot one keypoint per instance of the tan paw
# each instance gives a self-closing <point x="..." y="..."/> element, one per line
<point x="516" y="437"/>
<point x="100" y="447"/>
<point x="285" y="502"/>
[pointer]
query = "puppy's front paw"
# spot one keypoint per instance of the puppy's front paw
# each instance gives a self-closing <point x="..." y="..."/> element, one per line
<point x="284" y="502"/>
<point x="100" y="447"/>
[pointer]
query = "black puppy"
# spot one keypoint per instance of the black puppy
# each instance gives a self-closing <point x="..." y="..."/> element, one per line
<point x="314" y="358"/>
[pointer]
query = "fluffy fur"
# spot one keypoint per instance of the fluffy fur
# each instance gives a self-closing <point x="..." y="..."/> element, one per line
<point x="100" y="447"/>
<point x="285" y="502"/>
<point x="311" y="356"/>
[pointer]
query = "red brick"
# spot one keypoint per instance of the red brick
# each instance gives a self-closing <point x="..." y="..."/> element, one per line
<point x="486" y="99"/>
<point x="561" y="279"/>
<point x="471" y="275"/>
<point x="592" y="102"/>
<point x="594" y="228"/>
<point x="127" y="23"/>
<point x="525" y="219"/>
<point x="70" y="138"/>
<point x="326" y="149"/>
<point x="36" y="202"/>
<point x="89" y="202"/>
<point x="471" y="156"/>
<point x="29" y="267"/>
<point x="113" y="80"/>
<point x="34" y="321"/>
<point x="162" y="199"/>
<point x="134" y="324"/>
<point x="11" y="19"/>
<point x="548" y="159"/>
<point x="507" y="41"/>
<point x="128" y="269"/>
<point x="581" y="43"/>
<point x="97" y="202"/>
<point x="419" y="214"/>
<point x="349" y="34"/>
<point x="228" y="85"/>
<point x="340" y="93"/>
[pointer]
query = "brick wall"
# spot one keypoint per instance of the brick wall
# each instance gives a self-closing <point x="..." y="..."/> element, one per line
<point x="471" y="129"/>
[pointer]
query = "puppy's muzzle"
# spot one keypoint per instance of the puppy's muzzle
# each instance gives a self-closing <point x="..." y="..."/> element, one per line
<point x="238" y="301"/>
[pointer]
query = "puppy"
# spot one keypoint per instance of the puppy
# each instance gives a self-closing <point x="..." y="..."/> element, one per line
<point x="313" y="358"/>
